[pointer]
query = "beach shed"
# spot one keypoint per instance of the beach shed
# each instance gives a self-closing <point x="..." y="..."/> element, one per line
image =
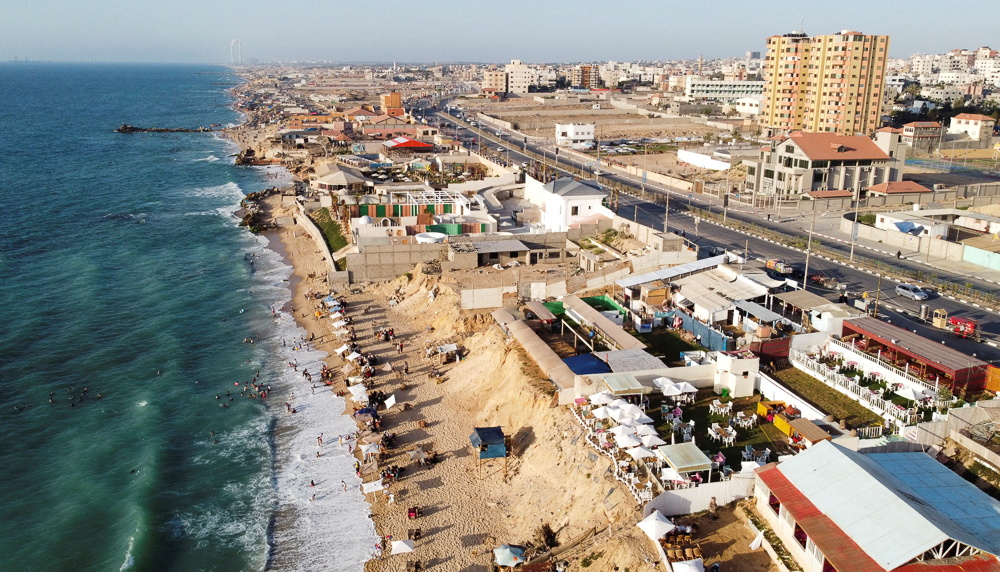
<point x="491" y="443"/>
<point x="807" y="433"/>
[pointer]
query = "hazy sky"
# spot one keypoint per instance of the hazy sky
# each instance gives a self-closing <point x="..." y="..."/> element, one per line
<point x="466" y="30"/>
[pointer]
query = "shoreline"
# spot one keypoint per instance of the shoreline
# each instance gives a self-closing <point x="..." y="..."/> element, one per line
<point x="551" y="481"/>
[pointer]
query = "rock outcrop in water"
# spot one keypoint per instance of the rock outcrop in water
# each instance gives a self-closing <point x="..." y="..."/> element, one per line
<point x="126" y="128"/>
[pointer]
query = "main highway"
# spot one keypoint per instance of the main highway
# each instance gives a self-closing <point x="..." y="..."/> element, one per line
<point x="898" y="310"/>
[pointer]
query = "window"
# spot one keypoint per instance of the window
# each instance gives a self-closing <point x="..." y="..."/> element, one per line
<point x="768" y="173"/>
<point x="573" y="211"/>
<point x="774" y="503"/>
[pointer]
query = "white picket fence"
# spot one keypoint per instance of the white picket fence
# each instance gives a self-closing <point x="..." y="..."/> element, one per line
<point x="642" y="495"/>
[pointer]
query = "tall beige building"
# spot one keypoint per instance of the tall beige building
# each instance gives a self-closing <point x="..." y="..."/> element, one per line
<point x="829" y="83"/>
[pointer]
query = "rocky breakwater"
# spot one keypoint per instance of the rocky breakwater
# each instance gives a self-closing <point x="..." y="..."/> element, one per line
<point x="126" y="128"/>
<point x="251" y="214"/>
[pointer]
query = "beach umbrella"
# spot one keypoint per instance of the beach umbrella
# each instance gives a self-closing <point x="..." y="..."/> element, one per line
<point x="602" y="412"/>
<point x="619" y="415"/>
<point x="369" y="448"/>
<point x="619" y="404"/>
<point x="625" y="441"/>
<point x="622" y="430"/>
<point x="646" y="430"/>
<point x="662" y="381"/>
<point x="417" y="454"/>
<point x="401" y="546"/>
<point x="910" y="394"/>
<point x="601" y="398"/>
<point x="390" y="401"/>
<point x="651" y="440"/>
<point x="695" y="565"/>
<point x="372" y="487"/>
<point x="342" y="349"/>
<point x="642" y="418"/>
<point x="656" y="526"/>
<point x="508" y="556"/>
<point x="353" y="356"/>
<point x="640" y="452"/>
<point x="632" y="410"/>
<point x="686" y="387"/>
<point x="670" y="390"/>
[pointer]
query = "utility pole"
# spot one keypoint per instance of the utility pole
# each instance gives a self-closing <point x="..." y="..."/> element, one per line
<point x="666" y="215"/>
<point x="854" y="227"/>
<point x="878" y="293"/>
<point x="812" y="225"/>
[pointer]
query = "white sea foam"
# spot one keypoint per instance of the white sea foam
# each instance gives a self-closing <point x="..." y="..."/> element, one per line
<point x="335" y="527"/>
<point x="129" y="559"/>
<point x="209" y="159"/>
<point x="228" y="190"/>
<point x="142" y="403"/>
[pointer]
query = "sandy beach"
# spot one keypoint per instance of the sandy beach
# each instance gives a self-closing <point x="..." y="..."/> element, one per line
<point x="551" y="481"/>
<point x="468" y="509"/>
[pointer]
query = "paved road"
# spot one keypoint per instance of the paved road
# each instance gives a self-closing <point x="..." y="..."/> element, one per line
<point x="900" y="311"/>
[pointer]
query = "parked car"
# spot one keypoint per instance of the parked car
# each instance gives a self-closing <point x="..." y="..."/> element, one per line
<point x="911" y="291"/>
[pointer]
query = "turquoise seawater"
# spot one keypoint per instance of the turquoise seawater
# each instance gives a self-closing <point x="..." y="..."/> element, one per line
<point x="126" y="297"/>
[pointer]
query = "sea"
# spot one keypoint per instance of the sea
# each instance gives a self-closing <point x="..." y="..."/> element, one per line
<point x="131" y="435"/>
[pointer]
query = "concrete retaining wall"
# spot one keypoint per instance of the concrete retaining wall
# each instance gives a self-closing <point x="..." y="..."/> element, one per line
<point x="696" y="499"/>
<point x="305" y="223"/>
<point x="774" y="391"/>
<point x="386" y="262"/>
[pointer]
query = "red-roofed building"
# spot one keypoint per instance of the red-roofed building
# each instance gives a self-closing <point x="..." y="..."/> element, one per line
<point x="803" y="162"/>
<point x="838" y="510"/>
<point x="978" y="127"/>
<point x="897" y="188"/>
<point x="407" y="145"/>
<point x="922" y="135"/>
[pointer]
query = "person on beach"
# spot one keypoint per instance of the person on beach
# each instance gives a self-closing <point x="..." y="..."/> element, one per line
<point x="319" y="440"/>
<point x="344" y="484"/>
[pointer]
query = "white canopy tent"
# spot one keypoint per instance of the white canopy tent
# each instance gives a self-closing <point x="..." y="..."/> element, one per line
<point x="625" y="441"/>
<point x="601" y="398"/>
<point x="651" y="440"/>
<point x="695" y="565"/>
<point x="640" y="452"/>
<point x="372" y="487"/>
<point x="656" y="526"/>
<point x="646" y="430"/>
<point x="353" y="356"/>
<point x="401" y="546"/>
<point x="602" y="412"/>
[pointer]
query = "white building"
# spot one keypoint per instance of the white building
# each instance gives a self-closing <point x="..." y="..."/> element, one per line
<point x="575" y="135"/>
<point x="837" y="509"/>
<point x="567" y="202"/>
<point x="696" y="87"/>
<point x="519" y="76"/>
<point x="748" y="106"/>
<point x="975" y="126"/>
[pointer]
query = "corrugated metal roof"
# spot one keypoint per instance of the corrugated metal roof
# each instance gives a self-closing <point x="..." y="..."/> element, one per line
<point x="836" y="545"/>
<point x="893" y="506"/>
<point x="611" y="330"/>
<point x="547" y="360"/>
<point x="758" y="311"/>
<point x="919" y="347"/>
<point x="540" y="310"/>
<point x="802" y="299"/>
<point x="668" y="274"/>
<point x="631" y="360"/>
<point x="724" y="282"/>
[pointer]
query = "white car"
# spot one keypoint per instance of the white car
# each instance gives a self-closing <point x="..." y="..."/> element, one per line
<point x="912" y="292"/>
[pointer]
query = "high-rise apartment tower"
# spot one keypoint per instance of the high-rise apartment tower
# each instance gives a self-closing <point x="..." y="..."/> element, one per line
<point x="828" y="83"/>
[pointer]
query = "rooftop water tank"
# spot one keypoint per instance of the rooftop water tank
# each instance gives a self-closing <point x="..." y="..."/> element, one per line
<point x="430" y="237"/>
<point x="366" y="220"/>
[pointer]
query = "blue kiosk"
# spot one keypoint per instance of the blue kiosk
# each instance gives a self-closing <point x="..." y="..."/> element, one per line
<point x="491" y="443"/>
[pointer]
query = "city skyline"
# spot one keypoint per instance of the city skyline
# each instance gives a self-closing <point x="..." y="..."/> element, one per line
<point x="452" y="31"/>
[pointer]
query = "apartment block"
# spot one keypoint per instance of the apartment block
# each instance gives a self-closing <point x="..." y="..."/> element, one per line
<point x="833" y="83"/>
<point x="697" y="87"/>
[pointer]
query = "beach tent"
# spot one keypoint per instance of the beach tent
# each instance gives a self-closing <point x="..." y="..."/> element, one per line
<point x="625" y="441"/>
<point x="390" y="401"/>
<point x="695" y="565"/>
<point x="366" y="411"/>
<point x="640" y="452"/>
<point x="508" y="556"/>
<point x="372" y="487"/>
<point x="339" y="324"/>
<point x="347" y="369"/>
<point x="342" y="349"/>
<point x="401" y="546"/>
<point x="417" y="454"/>
<point x="358" y="392"/>
<point x="369" y="437"/>
<point x="656" y="526"/>
<point x="353" y="356"/>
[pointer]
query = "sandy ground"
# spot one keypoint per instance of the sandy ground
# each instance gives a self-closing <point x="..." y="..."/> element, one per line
<point x="469" y="508"/>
